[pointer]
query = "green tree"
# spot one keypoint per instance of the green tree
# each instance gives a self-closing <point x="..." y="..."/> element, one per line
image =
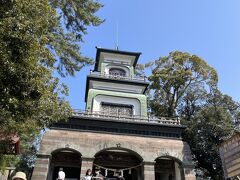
<point x="204" y="133"/>
<point x="73" y="18"/>
<point x="37" y="38"/>
<point x="176" y="76"/>
<point x="185" y="85"/>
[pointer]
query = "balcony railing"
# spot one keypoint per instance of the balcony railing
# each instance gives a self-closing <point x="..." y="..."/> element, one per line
<point x="127" y="118"/>
<point x="118" y="76"/>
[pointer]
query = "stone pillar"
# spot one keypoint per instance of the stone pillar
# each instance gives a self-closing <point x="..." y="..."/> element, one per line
<point x="41" y="168"/>
<point x="87" y="163"/>
<point x="189" y="172"/>
<point x="148" y="170"/>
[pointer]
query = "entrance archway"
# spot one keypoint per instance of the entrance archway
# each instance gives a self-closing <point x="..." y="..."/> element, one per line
<point x="67" y="159"/>
<point x="168" y="168"/>
<point x="119" y="160"/>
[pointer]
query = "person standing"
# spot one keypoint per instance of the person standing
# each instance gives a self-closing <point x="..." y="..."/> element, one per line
<point x="19" y="176"/>
<point x="88" y="175"/>
<point x="61" y="174"/>
<point x="98" y="175"/>
<point x="119" y="176"/>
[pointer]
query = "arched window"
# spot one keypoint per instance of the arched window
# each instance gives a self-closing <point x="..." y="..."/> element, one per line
<point x="117" y="72"/>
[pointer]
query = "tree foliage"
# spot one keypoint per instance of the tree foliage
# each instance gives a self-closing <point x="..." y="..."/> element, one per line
<point x="185" y="85"/>
<point x="204" y="133"/>
<point x="176" y="76"/>
<point x="37" y="38"/>
<point x="73" y="18"/>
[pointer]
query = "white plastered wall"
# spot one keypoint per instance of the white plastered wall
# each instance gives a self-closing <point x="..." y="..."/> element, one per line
<point x="118" y="100"/>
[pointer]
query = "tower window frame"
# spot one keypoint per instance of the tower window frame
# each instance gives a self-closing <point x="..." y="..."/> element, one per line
<point x="118" y="72"/>
<point x="117" y="109"/>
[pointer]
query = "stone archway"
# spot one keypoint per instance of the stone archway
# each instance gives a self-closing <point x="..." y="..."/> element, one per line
<point x="68" y="159"/>
<point x="127" y="162"/>
<point x="168" y="168"/>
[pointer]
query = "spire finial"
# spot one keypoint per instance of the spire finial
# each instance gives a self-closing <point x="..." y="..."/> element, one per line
<point x="117" y="48"/>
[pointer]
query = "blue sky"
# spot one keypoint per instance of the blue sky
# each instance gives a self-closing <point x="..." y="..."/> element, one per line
<point x="207" y="28"/>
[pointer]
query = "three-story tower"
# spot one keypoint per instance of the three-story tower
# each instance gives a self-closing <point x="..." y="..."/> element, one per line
<point x="113" y="88"/>
<point x="115" y="132"/>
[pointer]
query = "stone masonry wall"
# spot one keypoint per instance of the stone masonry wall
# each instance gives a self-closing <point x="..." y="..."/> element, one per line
<point x="149" y="149"/>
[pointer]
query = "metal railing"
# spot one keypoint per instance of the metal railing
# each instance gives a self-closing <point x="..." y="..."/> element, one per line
<point x="127" y="118"/>
<point x="119" y="77"/>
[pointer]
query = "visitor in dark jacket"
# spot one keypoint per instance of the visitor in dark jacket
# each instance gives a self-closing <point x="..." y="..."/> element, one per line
<point x="98" y="175"/>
